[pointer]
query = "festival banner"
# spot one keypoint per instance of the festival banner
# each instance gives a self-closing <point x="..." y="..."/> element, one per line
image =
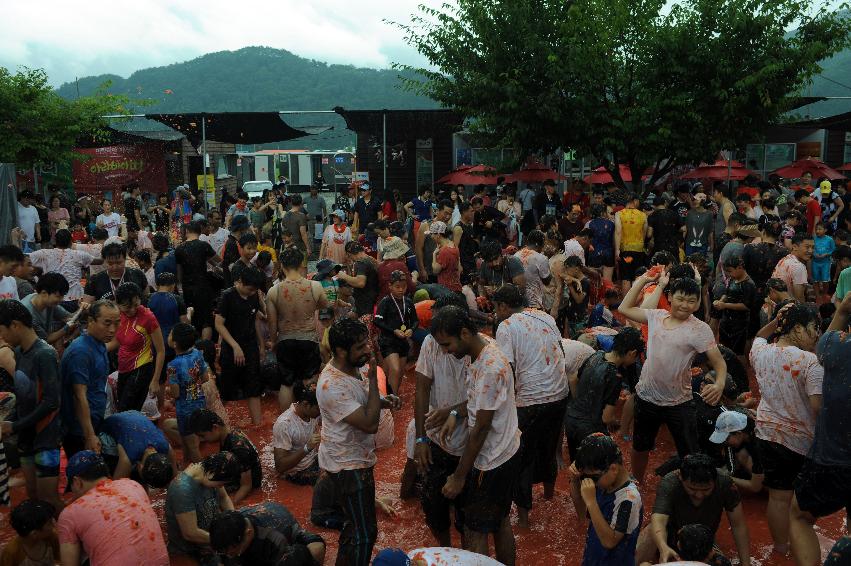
<point x="112" y="167"/>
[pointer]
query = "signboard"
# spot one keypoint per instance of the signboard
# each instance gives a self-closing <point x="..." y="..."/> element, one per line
<point x="361" y="176"/>
<point x="112" y="167"/>
<point x="339" y="159"/>
<point x="211" y="188"/>
<point x="425" y="143"/>
<point x="239" y="162"/>
<point x="324" y="161"/>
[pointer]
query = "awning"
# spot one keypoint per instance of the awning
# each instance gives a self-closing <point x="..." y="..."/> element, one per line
<point x="411" y="124"/>
<point x="234" y="127"/>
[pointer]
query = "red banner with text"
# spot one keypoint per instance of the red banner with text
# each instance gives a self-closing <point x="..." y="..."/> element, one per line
<point x="112" y="167"/>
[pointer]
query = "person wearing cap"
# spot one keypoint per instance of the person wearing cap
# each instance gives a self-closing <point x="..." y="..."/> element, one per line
<point x="698" y="227"/>
<point x="335" y="237"/>
<point x="424" y="244"/>
<point x="446" y="259"/>
<point x="734" y="431"/>
<point x="291" y="306"/>
<point x="393" y="259"/>
<point x="109" y="521"/>
<point x="831" y="204"/>
<point x="367" y="210"/>
<point x="792" y="269"/>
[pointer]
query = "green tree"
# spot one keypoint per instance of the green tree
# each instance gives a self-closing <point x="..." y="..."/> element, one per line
<point x="39" y="126"/>
<point x="623" y="80"/>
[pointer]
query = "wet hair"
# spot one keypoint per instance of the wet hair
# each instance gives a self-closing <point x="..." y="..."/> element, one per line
<point x="734" y="261"/>
<point x="203" y="420"/>
<point x="451" y="321"/>
<point x="801" y="237"/>
<point x="686" y="286"/>
<point x="11" y="253"/>
<point x="803" y="314"/>
<point x="445" y="203"/>
<point x="12" y="310"/>
<point x="736" y="218"/>
<point x="597" y="452"/>
<point x="96" y="469"/>
<point x="63" y="238"/>
<point x="222" y="467"/>
<point x="695" y="542"/>
<point x="157" y="470"/>
<point x="573" y="261"/>
<point x="248" y="238"/>
<point x="490" y="250"/>
<point x="166" y="278"/>
<point x="226" y="530"/>
<point x="345" y="333"/>
<point x="777" y="284"/>
<point x="698" y="468"/>
<point x="611" y="294"/>
<point x="264" y="258"/>
<point x="126" y="292"/>
<point x="100" y="234"/>
<point x="301" y="392"/>
<point x="160" y="243"/>
<point x="291" y="258"/>
<point x="184" y="335"/>
<point x="626" y="340"/>
<point x="509" y="295"/>
<point x="771" y="225"/>
<point x="94" y="310"/>
<point x="662" y="257"/>
<point x="464" y="207"/>
<point x="535" y="238"/>
<point x="252" y="277"/>
<point x="238" y="223"/>
<point x="744" y="197"/>
<point x="194" y="227"/>
<point x="143" y="256"/>
<point x="584" y="233"/>
<point x="31" y="515"/>
<point x="597" y="210"/>
<point x="450" y="299"/>
<point x="547" y="221"/>
<point x="476" y="200"/>
<point x="295" y="200"/>
<point x="801" y="193"/>
<point x="353" y="248"/>
<point x="114" y="250"/>
<point x="841" y="234"/>
<point x="52" y="282"/>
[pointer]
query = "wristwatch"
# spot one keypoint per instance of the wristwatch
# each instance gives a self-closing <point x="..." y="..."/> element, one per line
<point x="423" y="440"/>
<point x="454" y="413"/>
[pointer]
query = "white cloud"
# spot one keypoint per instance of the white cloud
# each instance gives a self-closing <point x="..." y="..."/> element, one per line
<point x="76" y="39"/>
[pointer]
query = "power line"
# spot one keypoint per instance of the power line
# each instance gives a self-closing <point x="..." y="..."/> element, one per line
<point x="843" y="85"/>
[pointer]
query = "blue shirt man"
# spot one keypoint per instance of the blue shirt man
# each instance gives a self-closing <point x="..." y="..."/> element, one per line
<point x="85" y="362"/>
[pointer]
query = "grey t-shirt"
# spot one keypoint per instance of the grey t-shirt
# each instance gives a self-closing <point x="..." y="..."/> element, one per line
<point x="833" y="424"/>
<point x="698" y="228"/>
<point x="599" y="385"/>
<point x="43" y="320"/>
<point x="314" y="207"/>
<point x="38" y="420"/>
<point x="292" y="222"/>
<point x="186" y="495"/>
<point x="496" y="278"/>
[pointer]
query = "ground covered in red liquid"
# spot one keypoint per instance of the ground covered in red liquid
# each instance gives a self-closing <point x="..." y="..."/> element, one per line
<point x="556" y="537"/>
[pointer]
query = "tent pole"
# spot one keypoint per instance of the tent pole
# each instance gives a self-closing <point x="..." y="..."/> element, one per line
<point x="384" y="150"/>
<point x="204" y="156"/>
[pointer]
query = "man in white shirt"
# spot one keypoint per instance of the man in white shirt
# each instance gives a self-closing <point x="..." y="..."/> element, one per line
<point x="109" y="220"/>
<point x="28" y="221"/>
<point x="217" y="235"/>
<point x="488" y="468"/>
<point x="441" y="391"/>
<point x="350" y="409"/>
<point x="531" y="341"/>
<point x="10" y="258"/>
<point x="537" y="268"/>
<point x="68" y="262"/>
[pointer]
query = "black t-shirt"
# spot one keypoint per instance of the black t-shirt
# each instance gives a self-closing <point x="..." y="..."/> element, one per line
<point x="495" y="217"/>
<point x="100" y="286"/>
<point x="367" y="211"/>
<point x="246" y="454"/>
<point x="192" y="257"/>
<point x="599" y="385"/>
<point x="130" y="206"/>
<point x="548" y="204"/>
<point x="365" y="298"/>
<point x="239" y="315"/>
<point x="387" y="317"/>
<point x="578" y="311"/>
<point x="681" y="208"/>
<point x="739" y="292"/>
<point x="230" y="254"/>
<point x="467" y="248"/>
<point x="760" y="261"/>
<point x="569" y="229"/>
<point x="666" y="229"/>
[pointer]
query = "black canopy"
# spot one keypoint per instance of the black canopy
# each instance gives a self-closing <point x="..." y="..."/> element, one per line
<point x="234" y="127"/>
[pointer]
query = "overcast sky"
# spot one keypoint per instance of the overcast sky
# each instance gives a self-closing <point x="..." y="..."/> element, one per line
<point x="77" y="39"/>
<point x="93" y="37"/>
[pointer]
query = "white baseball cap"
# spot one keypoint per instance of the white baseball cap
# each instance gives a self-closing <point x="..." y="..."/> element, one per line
<point x="727" y="422"/>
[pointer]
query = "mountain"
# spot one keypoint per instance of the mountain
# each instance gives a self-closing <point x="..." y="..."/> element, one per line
<point x="262" y="79"/>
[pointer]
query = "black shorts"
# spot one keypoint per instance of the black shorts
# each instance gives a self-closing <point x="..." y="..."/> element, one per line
<point x="201" y="299"/>
<point x="604" y="258"/>
<point x="734" y="334"/>
<point x="487" y="496"/>
<point x="389" y="346"/>
<point x="246" y="378"/>
<point x="298" y="360"/>
<point x="823" y="490"/>
<point x="541" y="427"/>
<point x="629" y="263"/>
<point x="781" y="465"/>
<point x="680" y="420"/>
<point x="132" y="388"/>
<point x="436" y="507"/>
<point x="575" y="432"/>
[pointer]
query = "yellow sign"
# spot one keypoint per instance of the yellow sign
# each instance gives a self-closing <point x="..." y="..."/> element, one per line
<point x="210" y="191"/>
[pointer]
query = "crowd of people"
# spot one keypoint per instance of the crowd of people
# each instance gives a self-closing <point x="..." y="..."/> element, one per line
<point x="536" y="334"/>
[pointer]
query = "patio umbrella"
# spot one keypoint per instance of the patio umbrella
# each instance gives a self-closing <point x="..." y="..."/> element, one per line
<point x="601" y="176"/>
<point x="721" y="170"/>
<point x="808" y="165"/>
<point x="844" y="167"/>
<point x="478" y="175"/>
<point x="535" y="172"/>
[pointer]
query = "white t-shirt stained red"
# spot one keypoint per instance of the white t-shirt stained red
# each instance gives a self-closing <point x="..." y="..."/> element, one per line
<point x="342" y="446"/>
<point x="291" y="432"/>
<point x="791" y="271"/>
<point x="448" y="388"/>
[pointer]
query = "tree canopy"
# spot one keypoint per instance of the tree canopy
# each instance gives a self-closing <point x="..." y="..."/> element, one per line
<point x="622" y="80"/>
<point x="38" y="126"/>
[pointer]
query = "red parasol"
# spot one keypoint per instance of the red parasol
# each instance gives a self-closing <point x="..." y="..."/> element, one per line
<point x="808" y="165"/>
<point x="721" y="170"/>
<point x="535" y="172"/>
<point x="844" y="167"/>
<point x="601" y="176"/>
<point x="466" y="175"/>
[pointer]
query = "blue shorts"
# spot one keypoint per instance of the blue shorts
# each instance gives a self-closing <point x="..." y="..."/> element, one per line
<point x="45" y="462"/>
<point x="821" y="271"/>
<point x="183" y="414"/>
